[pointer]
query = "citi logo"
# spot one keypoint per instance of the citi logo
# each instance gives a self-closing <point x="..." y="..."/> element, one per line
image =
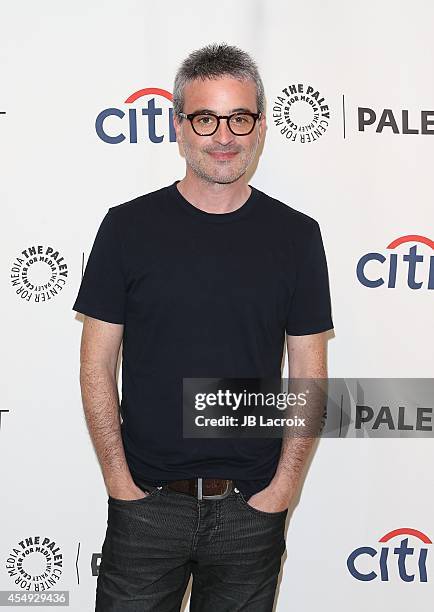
<point x="411" y="267"/>
<point x="399" y="554"/>
<point x="149" y="121"/>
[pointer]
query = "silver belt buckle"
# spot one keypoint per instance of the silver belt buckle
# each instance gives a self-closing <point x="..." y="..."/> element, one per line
<point x="229" y="486"/>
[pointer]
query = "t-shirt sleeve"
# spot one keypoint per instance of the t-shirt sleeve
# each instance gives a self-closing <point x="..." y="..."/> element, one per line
<point x="310" y="307"/>
<point x="102" y="293"/>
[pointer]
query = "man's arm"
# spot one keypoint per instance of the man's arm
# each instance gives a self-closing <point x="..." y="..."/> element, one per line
<point x="307" y="358"/>
<point x="100" y="343"/>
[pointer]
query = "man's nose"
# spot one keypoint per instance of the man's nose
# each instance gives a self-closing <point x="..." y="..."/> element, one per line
<point x="223" y="134"/>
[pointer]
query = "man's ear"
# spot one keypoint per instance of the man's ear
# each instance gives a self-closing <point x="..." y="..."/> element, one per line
<point x="177" y="125"/>
<point x="262" y="126"/>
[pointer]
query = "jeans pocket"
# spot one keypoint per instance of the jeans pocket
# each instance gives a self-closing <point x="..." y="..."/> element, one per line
<point x="151" y="493"/>
<point x="244" y="504"/>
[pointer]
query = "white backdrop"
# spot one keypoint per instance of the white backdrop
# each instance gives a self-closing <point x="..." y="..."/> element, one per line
<point x="61" y="66"/>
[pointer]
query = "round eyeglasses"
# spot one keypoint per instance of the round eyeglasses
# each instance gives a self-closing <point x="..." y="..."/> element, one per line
<point x="207" y="124"/>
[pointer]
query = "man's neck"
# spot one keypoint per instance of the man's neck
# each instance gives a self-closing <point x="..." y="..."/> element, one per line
<point x="215" y="198"/>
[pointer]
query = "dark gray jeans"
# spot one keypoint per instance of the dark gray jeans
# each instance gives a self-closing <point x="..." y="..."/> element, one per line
<point x="153" y="545"/>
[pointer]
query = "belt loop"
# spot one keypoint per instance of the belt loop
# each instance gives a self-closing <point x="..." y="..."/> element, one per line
<point x="199" y="488"/>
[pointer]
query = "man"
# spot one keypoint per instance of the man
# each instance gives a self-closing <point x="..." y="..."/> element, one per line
<point x="199" y="279"/>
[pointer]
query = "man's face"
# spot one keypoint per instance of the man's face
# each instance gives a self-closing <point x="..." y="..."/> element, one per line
<point x="221" y="157"/>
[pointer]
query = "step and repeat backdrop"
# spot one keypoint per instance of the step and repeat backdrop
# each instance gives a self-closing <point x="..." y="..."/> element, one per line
<point x="85" y="124"/>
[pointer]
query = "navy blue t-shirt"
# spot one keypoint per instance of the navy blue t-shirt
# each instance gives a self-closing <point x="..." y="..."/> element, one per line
<point x="202" y="295"/>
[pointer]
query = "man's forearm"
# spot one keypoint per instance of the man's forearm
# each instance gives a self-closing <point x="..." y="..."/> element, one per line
<point x="101" y="407"/>
<point x="307" y="364"/>
<point x="293" y="456"/>
<point x="297" y="444"/>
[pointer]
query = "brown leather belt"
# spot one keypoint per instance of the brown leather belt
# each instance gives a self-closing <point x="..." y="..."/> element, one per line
<point x="203" y="488"/>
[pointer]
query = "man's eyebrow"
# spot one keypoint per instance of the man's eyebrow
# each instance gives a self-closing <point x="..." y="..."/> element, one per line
<point x="204" y="110"/>
<point x="214" y="112"/>
<point x="241" y="110"/>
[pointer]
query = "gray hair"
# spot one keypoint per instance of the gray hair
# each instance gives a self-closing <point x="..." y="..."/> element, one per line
<point x="214" y="61"/>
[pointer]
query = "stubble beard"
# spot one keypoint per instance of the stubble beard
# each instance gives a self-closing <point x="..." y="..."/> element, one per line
<point x="213" y="171"/>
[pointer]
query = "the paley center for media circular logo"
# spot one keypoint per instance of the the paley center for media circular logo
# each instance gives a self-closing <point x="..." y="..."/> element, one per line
<point x="301" y="113"/>
<point x="39" y="273"/>
<point x="35" y="563"/>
